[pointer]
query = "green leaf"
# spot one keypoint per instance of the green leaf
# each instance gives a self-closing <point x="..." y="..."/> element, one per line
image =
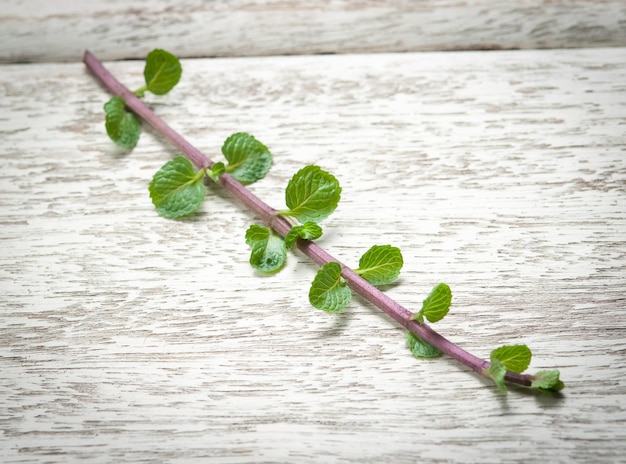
<point x="268" y="249"/>
<point x="311" y="195"/>
<point x="328" y="290"/>
<point x="162" y="71"/>
<point x="307" y="231"/>
<point x="421" y="348"/>
<point x="380" y="265"/>
<point x="515" y="358"/>
<point x="436" y="305"/>
<point x="497" y="371"/>
<point x="248" y="159"/>
<point x="122" y="126"/>
<point x="216" y="171"/>
<point x="547" y="381"/>
<point x="176" y="189"/>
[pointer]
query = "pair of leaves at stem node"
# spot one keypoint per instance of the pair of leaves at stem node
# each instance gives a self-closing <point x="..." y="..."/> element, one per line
<point x="306" y="231"/>
<point x="434" y="308"/>
<point x="380" y="265"/>
<point x="516" y="359"/>
<point x="311" y="195"/>
<point x="161" y="73"/>
<point x="178" y="190"/>
<point x="269" y="250"/>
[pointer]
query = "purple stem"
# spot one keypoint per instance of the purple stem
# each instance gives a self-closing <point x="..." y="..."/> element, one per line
<point x="281" y="226"/>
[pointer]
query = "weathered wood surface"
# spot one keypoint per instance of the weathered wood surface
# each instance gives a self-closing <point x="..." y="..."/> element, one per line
<point x="126" y="337"/>
<point x="41" y="30"/>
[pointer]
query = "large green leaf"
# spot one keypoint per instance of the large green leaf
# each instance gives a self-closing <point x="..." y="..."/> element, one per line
<point x="162" y="71"/>
<point x="122" y="126"/>
<point x="311" y="195"/>
<point x="380" y="265"/>
<point x="328" y="290"/>
<point x="515" y="358"/>
<point x="248" y="159"/>
<point x="176" y="189"/>
<point x="436" y="305"/>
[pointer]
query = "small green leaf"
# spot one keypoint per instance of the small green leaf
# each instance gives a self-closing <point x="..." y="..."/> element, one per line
<point x="421" y="348"/>
<point x="176" y="189"/>
<point x="311" y="195"/>
<point x="547" y="381"/>
<point x="306" y="231"/>
<point x="216" y="171"/>
<point x="328" y="290"/>
<point x="497" y="371"/>
<point x="248" y="159"/>
<point x="515" y="358"/>
<point x="380" y="265"/>
<point x="122" y="126"/>
<point x="162" y="71"/>
<point x="268" y="249"/>
<point x="436" y="305"/>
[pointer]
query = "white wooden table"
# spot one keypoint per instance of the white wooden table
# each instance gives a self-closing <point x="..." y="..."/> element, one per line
<point x="126" y="337"/>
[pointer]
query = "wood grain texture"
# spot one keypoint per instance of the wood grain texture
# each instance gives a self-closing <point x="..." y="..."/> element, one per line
<point x="126" y="337"/>
<point x="38" y="30"/>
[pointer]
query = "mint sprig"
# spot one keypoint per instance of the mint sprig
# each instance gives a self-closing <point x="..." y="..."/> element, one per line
<point x="311" y="196"/>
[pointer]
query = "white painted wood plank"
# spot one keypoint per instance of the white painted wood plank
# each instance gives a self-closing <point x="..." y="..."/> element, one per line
<point x="38" y="30"/>
<point x="126" y="337"/>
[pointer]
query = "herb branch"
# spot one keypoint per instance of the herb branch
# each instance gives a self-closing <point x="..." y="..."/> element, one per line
<point x="312" y="195"/>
